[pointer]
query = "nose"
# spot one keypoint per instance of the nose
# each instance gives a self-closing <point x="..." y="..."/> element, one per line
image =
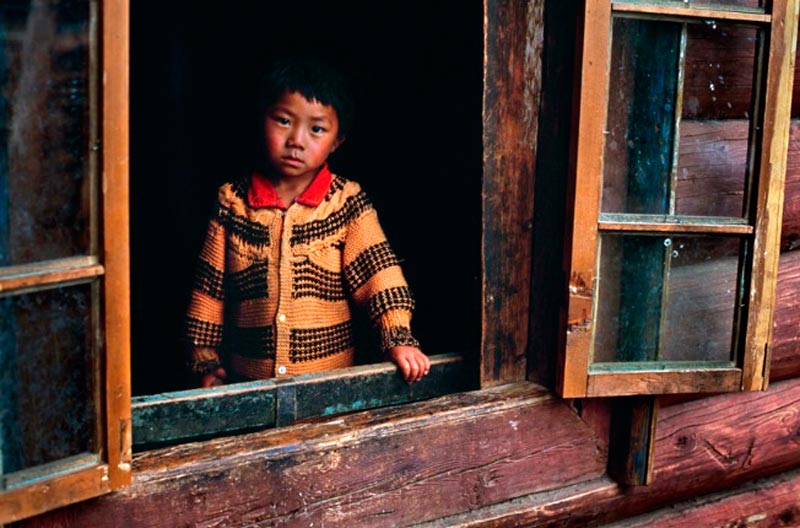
<point x="295" y="139"/>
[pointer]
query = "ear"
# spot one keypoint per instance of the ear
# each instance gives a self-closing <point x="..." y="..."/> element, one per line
<point x="337" y="143"/>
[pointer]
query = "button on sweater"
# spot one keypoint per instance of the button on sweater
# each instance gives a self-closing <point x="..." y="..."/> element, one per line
<point x="272" y="285"/>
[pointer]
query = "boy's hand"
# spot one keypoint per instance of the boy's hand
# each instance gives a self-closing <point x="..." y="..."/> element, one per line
<point x="411" y="361"/>
<point x="212" y="379"/>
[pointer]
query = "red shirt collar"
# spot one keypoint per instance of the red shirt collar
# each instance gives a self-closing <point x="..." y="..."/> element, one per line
<point x="261" y="192"/>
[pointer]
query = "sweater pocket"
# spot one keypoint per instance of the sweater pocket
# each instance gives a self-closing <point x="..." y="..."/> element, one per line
<point x="318" y="273"/>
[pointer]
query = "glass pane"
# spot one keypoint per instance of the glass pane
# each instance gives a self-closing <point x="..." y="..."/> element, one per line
<point x="714" y="131"/>
<point x="666" y="298"/>
<point x="46" y="409"/>
<point x="643" y="84"/>
<point x="705" y="72"/>
<point x="44" y="130"/>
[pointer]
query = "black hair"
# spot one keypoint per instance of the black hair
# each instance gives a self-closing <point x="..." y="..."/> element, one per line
<point x="314" y="80"/>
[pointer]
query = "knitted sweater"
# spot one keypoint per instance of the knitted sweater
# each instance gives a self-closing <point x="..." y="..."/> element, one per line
<point x="272" y="285"/>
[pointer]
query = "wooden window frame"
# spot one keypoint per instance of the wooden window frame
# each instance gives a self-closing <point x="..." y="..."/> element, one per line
<point x="172" y="417"/>
<point x="83" y="477"/>
<point x="506" y="266"/>
<point x="506" y="231"/>
<point x="575" y="378"/>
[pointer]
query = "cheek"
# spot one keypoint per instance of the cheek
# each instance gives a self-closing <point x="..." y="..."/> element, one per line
<point x="273" y="141"/>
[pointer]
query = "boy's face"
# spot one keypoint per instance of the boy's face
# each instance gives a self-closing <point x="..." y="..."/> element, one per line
<point x="300" y="134"/>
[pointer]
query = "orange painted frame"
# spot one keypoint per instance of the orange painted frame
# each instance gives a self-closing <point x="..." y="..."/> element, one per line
<point x="574" y="378"/>
<point x="113" y="470"/>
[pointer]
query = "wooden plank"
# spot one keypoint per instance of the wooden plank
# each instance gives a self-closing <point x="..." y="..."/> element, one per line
<point x="32" y="277"/>
<point x="790" y="233"/>
<point x="436" y="448"/>
<point x="208" y="412"/>
<point x="584" y="180"/>
<point x="202" y="412"/>
<point x="691" y="12"/>
<point x="632" y="442"/>
<point x="116" y="258"/>
<point x="702" y="447"/>
<point x="786" y="336"/>
<point x="373" y="386"/>
<point x="55" y="492"/>
<point x="663" y="382"/>
<point x="513" y="40"/>
<point x="549" y="282"/>
<point x="769" y="202"/>
<point x="674" y="227"/>
<point x="762" y="504"/>
<point x="443" y="456"/>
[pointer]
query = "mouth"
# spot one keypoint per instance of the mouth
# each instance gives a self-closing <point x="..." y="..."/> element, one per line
<point x="289" y="160"/>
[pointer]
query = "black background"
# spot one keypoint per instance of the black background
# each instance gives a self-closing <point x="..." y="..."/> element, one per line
<point x="416" y="70"/>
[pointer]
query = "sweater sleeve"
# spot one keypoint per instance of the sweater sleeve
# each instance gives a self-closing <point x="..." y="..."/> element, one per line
<point x="374" y="279"/>
<point x="205" y="315"/>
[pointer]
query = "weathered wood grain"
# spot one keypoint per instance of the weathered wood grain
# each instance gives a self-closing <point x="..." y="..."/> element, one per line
<point x="548" y="283"/>
<point x="632" y="441"/>
<point x="765" y="503"/>
<point x="214" y="411"/>
<point x="702" y="447"/>
<point x="769" y="195"/>
<point x="583" y="192"/>
<point x="116" y="242"/>
<point x="383" y="468"/>
<point x="375" y="465"/>
<point x="790" y="234"/>
<point x="786" y="336"/>
<point x="31" y="277"/>
<point x="513" y="40"/>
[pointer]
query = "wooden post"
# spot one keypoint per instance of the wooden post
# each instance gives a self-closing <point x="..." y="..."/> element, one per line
<point x="632" y="443"/>
<point x="512" y="63"/>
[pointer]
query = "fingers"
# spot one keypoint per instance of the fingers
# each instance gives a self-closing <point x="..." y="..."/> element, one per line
<point x="413" y="364"/>
<point x="414" y="370"/>
<point x="405" y="368"/>
<point x="213" y="379"/>
<point x="207" y="380"/>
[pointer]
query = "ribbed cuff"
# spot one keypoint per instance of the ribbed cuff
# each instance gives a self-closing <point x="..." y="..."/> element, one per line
<point x="204" y="361"/>
<point x="397" y="336"/>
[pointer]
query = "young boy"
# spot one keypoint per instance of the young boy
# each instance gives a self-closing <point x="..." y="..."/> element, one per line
<point x="289" y="246"/>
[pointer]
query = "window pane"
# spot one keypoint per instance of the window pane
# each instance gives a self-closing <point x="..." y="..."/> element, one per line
<point x="714" y="130"/>
<point x="641" y="115"/>
<point x="705" y="71"/>
<point x="44" y="130"/>
<point x="46" y="409"/>
<point x="666" y="298"/>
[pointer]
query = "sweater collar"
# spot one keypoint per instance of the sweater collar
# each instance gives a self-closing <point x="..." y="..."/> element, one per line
<point x="261" y="192"/>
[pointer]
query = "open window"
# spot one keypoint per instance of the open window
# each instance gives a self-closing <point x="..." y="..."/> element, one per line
<point x="673" y="260"/>
<point x="65" y="431"/>
<point x="415" y="149"/>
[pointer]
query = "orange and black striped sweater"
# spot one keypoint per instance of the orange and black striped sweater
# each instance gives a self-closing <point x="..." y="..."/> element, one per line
<point x="272" y="285"/>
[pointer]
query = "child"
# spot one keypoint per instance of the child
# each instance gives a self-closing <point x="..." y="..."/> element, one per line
<point x="288" y="246"/>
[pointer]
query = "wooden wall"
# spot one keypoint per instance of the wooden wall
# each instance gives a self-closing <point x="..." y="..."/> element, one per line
<point x="514" y="455"/>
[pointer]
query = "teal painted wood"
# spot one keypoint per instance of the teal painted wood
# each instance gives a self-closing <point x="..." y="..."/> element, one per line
<point x="195" y="413"/>
<point x="183" y="415"/>
<point x="377" y="387"/>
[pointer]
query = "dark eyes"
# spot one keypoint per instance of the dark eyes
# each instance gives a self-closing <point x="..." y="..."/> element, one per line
<point x="285" y="121"/>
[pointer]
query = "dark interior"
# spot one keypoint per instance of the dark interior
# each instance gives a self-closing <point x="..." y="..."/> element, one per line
<point x="416" y="71"/>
